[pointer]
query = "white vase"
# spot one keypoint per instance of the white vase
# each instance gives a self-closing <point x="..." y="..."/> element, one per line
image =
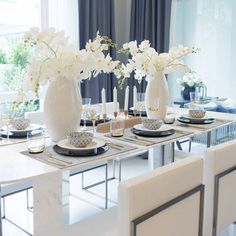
<point x="62" y="108"/>
<point x="156" y="96"/>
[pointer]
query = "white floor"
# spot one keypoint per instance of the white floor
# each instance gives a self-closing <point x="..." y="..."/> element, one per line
<point x="83" y="203"/>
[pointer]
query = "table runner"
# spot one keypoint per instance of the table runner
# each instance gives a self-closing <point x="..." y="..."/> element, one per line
<point x="60" y="160"/>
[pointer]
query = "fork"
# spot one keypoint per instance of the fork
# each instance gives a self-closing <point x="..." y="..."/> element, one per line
<point x="62" y="161"/>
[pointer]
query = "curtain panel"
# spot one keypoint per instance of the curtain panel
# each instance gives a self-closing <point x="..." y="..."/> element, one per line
<point x="97" y="15"/>
<point x="150" y="19"/>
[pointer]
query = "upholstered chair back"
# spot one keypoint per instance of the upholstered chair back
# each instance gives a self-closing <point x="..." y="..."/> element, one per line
<point x="220" y="187"/>
<point x="165" y="202"/>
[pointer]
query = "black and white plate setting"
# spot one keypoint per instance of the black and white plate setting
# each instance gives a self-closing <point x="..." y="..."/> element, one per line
<point x="34" y="129"/>
<point x="190" y="120"/>
<point x="96" y="147"/>
<point x="163" y="131"/>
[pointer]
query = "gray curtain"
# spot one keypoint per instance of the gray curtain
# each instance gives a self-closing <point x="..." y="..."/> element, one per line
<point x="150" y="19"/>
<point x="97" y="15"/>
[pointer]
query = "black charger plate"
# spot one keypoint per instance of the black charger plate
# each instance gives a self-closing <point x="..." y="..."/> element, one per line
<point x="79" y="153"/>
<point x="22" y="134"/>
<point x="143" y="113"/>
<point x="156" y="133"/>
<point x="90" y="123"/>
<point x="189" y="120"/>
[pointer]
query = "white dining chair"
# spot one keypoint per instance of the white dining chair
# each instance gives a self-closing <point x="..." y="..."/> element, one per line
<point x="220" y="182"/>
<point x="167" y="201"/>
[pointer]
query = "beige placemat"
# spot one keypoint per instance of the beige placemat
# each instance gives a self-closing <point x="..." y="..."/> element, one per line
<point x="12" y="141"/>
<point x="214" y="125"/>
<point x="50" y="157"/>
<point x="149" y="141"/>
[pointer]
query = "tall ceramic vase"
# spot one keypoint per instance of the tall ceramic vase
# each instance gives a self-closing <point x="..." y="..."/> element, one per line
<point x="62" y="108"/>
<point x="156" y="97"/>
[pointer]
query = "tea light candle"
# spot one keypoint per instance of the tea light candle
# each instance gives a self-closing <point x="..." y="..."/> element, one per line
<point x="115" y="99"/>
<point x="135" y="98"/>
<point x="126" y="98"/>
<point x="104" y="111"/>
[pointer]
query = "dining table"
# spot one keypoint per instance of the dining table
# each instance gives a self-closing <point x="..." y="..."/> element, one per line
<point x="50" y="172"/>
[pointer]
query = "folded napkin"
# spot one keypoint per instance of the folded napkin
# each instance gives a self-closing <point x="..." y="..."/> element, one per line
<point x="130" y="122"/>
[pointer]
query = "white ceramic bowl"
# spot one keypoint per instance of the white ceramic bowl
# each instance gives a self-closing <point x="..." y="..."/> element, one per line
<point x="152" y="124"/>
<point x="20" y="123"/>
<point x="196" y="113"/>
<point x="80" y="139"/>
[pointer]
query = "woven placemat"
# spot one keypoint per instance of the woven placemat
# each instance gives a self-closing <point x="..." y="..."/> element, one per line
<point x="149" y="141"/>
<point x="50" y="157"/>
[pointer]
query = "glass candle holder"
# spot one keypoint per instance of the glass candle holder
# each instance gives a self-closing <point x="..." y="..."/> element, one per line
<point x="117" y="127"/>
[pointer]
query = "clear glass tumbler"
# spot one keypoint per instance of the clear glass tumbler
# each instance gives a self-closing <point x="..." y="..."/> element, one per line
<point x="35" y="143"/>
<point x="117" y="127"/>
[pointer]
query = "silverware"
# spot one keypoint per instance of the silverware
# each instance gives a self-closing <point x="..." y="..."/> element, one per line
<point x="142" y="139"/>
<point x="50" y="160"/>
<point x="53" y="158"/>
<point x="137" y="141"/>
<point x="114" y="145"/>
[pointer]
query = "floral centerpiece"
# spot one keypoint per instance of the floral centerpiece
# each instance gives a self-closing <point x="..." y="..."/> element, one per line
<point x="147" y="63"/>
<point x="189" y="82"/>
<point x="56" y="63"/>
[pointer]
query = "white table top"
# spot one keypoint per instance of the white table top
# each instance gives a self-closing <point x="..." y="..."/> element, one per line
<point x="15" y="166"/>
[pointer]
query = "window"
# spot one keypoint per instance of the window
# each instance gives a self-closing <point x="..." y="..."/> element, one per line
<point x="209" y="25"/>
<point x="16" y="17"/>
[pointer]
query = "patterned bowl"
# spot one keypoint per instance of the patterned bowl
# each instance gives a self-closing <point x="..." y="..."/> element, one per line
<point x="20" y="123"/>
<point x="152" y="124"/>
<point x="80" y="139"/>
<point x="196" y="113"/>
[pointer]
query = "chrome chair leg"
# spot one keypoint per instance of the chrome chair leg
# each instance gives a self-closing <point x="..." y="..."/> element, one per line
<point x="114" y="168"/>
<point x="3" y="208"/>
<point x="190" y="145"/>
<point x="106" y="187"/>
<point x="119" y="177"/>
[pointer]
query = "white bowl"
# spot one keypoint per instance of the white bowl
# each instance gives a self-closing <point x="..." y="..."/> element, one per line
<point x="20" y="123"/>
<point x="80" y="139"/>
<point x="152" y="124"/>
<point x="196" y="113"/>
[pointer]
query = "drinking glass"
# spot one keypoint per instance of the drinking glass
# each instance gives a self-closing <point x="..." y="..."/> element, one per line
<point x="35" y="143"/>
<point x="140" y="102"/>
<point x="194" y="99"/>
<point x="117" y="127"/>
<point x="6" y="118"/>
<point x="86" y="102"/>
<point x="93" y="115"/>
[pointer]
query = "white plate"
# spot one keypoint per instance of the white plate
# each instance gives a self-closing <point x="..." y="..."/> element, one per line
<point x="28" y="129"/>
<point x="141" y="128"/>
<point x="96" y="143"/>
